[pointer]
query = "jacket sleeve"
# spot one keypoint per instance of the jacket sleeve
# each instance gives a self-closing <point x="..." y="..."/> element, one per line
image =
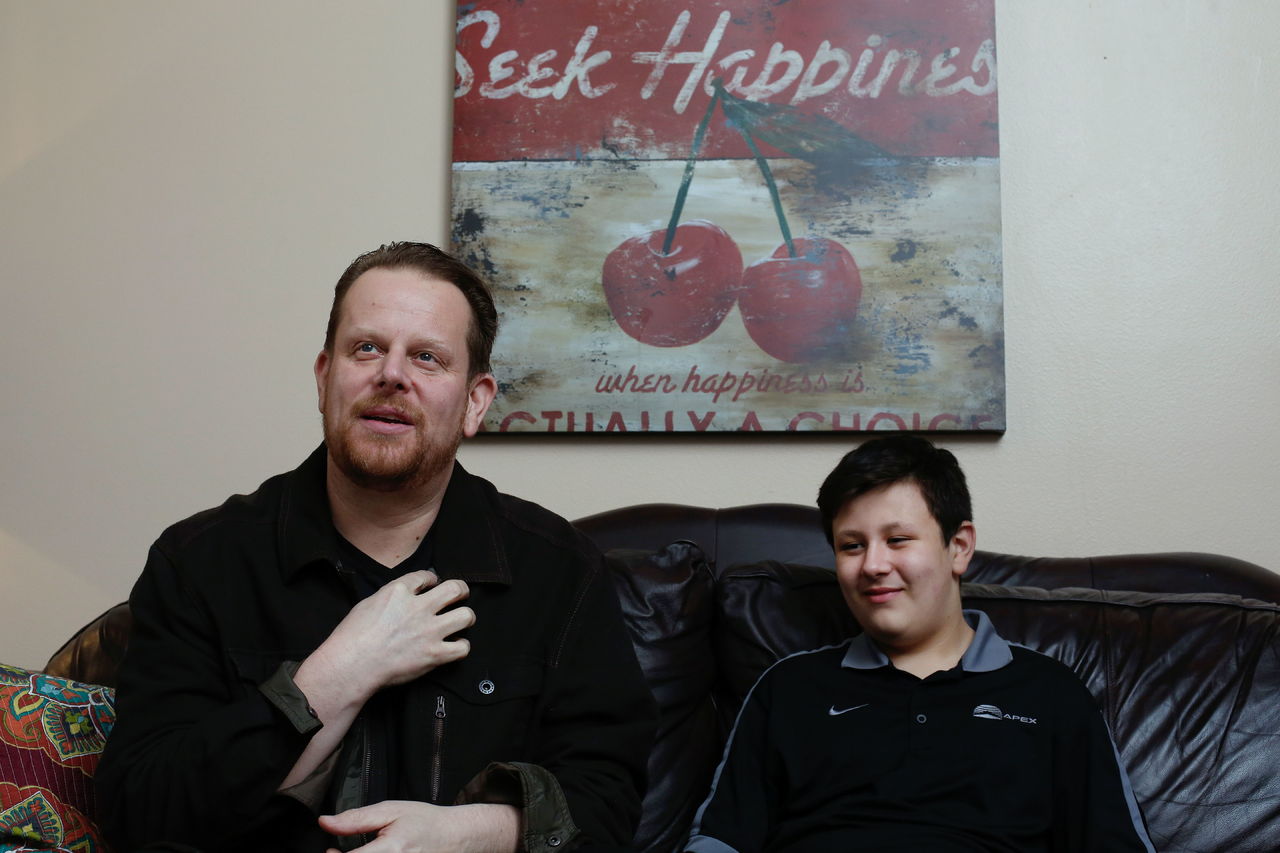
<point x="196" y="755"/>
<point x="738" y="814"/>
<point x="598" y="722"/>
<point x="1095" y="806"/>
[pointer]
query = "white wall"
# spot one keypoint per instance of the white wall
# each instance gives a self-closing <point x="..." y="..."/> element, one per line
<point x="182" y="181"/>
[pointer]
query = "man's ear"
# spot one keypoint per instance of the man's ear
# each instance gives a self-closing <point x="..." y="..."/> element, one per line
<point x="962" y="547"/>
<point x="322" y="374"/>
<point x="483" y="389"/>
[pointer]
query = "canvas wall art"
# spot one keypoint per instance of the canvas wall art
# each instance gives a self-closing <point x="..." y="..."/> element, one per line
<point x="734" y="215"/>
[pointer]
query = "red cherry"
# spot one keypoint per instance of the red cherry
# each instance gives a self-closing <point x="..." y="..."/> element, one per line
<point x="802" y="309"/>
<point x="678" y="298"/>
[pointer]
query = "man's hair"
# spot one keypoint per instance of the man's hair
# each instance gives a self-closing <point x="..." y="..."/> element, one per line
<point x="433" y="263"/>
<point x="893" y="459"/>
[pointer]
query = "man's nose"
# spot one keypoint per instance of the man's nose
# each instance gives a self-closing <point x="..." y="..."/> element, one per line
<point x="392" y="373"/>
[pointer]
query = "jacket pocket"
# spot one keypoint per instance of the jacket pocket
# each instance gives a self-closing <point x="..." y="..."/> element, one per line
<point x="488" y="684"/>
<point x="480" y="712"/>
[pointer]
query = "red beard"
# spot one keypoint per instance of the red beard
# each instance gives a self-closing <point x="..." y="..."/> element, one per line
<point x="389" y="462"/>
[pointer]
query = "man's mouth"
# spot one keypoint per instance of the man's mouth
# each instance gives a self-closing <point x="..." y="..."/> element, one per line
<point x="386" y="415"/>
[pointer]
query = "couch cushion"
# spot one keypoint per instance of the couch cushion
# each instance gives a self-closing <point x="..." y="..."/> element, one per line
<point x="1187" y="684"/>
<point x="51" y="734"/>
<point x="666" y="598"/>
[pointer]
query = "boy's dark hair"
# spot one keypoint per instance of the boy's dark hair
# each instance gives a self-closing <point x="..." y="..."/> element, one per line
<point x="893" y="459"/>
<point x="433" y="263"/>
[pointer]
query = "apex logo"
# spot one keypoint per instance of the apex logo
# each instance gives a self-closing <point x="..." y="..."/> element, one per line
<point x="991" y="712"/>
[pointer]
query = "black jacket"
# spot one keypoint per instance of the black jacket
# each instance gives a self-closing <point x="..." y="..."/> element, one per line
<point x="207" y="730"/>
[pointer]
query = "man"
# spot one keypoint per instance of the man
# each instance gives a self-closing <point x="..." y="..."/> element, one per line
<point x="927" y="732"/>
<point x="303" y="673"/>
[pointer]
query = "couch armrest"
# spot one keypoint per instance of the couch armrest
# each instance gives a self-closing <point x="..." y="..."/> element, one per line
<point x="93" y="654"/>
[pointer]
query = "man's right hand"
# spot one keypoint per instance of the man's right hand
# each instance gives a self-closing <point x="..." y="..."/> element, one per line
<point x="393" y="636"/>
<point x="400" y="632"/>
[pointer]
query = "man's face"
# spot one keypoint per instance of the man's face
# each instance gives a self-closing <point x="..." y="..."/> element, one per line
<point x="897" y="575"/>
<point x="394" y="391"/>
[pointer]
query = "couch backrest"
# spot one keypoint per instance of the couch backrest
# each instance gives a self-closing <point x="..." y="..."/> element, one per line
<point x="1186" y="680"/>
<point x="792" y="533"/>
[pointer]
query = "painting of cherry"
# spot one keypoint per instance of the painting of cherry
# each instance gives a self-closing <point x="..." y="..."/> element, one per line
<point x="674" y="286"/>
<point x="801" y="308"/>
<point x="672" y="293"/>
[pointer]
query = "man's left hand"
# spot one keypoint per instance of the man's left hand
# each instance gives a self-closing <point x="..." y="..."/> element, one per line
<point x="409" y="827"/>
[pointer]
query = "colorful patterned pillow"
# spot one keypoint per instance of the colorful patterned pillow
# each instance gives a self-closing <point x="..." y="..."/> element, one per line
<point x="52" y="731"/>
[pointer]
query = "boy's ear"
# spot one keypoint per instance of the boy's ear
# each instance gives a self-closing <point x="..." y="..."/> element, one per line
<point x="962" y="546"/>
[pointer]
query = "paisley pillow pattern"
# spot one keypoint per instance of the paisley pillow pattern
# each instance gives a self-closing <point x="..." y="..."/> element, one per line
<point x="52" y="731"/>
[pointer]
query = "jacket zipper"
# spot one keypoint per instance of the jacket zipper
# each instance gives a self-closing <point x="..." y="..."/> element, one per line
<point x="437" y="745"/>
<point x="364" y="776"/>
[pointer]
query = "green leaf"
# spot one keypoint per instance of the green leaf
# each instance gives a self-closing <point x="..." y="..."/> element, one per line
<point x="814" y="138"/>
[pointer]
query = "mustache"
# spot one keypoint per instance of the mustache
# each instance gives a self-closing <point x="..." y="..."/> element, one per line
<point x="382" y="407"/>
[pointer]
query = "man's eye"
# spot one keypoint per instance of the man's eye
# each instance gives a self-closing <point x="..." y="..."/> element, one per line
<point x="366" y="347"/>
<point x="425" y="357"/>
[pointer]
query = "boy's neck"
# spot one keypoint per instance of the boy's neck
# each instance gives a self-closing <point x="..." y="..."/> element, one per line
<point x="942" y="652"/>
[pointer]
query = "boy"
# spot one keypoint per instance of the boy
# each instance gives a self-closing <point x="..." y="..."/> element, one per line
<point x="927" y="732"/>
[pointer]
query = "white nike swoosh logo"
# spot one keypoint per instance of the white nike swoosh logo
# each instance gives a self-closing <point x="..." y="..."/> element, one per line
<point x="833" y="712"/>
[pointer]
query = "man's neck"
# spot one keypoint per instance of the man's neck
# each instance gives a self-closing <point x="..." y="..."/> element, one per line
<point x="386" y="525"/>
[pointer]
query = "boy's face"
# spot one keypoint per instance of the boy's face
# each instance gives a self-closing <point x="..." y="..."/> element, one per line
<point x="898" y="577"/>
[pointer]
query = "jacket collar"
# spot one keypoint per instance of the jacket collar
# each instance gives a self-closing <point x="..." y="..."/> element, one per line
<point x="467" y="543"/>
<point x="305" y="535"/>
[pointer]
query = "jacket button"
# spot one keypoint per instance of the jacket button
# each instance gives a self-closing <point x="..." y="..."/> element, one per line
<point x="486" y="687"/>
<point x="553" y="841"/>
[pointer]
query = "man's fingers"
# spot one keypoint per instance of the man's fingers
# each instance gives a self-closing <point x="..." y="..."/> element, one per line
<point x="364" y="819"/>
<point x="443" y="594"/>
<point x="452" y="650"/>
<point x="453" y="621"/>
<point x="420" y="581"/>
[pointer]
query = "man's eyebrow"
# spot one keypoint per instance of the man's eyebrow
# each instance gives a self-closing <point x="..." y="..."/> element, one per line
<point x="415" y="343"/>
<point x="361" y="332"/>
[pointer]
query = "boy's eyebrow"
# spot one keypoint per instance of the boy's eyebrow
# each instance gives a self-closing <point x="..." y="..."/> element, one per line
<point x="889" y="526"/>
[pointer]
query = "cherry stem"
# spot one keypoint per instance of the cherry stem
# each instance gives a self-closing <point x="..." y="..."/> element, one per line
<point x="683" y="192"/>
<point x="773" y="190"/>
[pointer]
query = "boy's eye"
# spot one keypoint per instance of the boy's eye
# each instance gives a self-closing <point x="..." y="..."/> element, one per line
<point x="851" y="546"/>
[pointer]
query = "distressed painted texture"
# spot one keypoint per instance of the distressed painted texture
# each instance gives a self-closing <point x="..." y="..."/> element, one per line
<point x="824" y="273"/>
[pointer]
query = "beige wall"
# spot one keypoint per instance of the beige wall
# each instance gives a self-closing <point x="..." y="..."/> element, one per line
<point x="180" y="183"/>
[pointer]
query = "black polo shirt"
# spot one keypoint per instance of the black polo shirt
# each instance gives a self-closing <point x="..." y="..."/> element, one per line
<point x="836" y="749"/>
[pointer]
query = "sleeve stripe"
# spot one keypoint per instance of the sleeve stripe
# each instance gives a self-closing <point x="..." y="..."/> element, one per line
<point x="1135" y="814"/>
<point x="724" y="758"/>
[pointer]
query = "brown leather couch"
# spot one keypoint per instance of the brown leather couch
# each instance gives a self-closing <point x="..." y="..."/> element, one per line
<point x="1182" y="652"/>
